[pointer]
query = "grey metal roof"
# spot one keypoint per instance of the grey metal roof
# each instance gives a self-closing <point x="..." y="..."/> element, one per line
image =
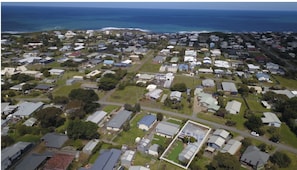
<point x="27" y="108"/>
<point x="33" y="161"/>
<point x="253" y="156"/>
<point x="3" y="106"/>
<point x="54" y="140"/>
<point x="119" y="119"/>
<point x="270" y="118"/>
<point x="228" y="86"/>
<point x="107" y="160"/>
<point x="167" y="128"/>
<point x="233" y="107"/>
<point x="10" y="151"/>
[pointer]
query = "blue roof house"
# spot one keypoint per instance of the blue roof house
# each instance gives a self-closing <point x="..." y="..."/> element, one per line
<point x="147" y="122"/>
<point x="183" y="67"/>
<point x="108" y="160"/>
<point x="108" y="62"/>
<point x="262" y="76"/>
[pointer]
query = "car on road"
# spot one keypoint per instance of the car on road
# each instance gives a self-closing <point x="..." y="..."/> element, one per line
<point x="255" y="133"/>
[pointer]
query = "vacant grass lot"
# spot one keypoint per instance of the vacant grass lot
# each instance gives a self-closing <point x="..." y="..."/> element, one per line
<point x="110" y="108"/>
<point x="134" y="132"/>
<point x="289" y="83"/>
<point x="130" y="95"/>
<point x="149" y="66"/>
<point x="255" y="104"/>
<point x="176" y="148"/>
<point x="287" y="136"/>
<point x="65" y="90"/>
<point x="191" y="82"/>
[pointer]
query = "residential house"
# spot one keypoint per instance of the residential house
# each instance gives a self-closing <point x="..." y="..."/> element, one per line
<point x="151" y="87"/>
<point x="54" y="140"/>
<point x="222" y="64"/>
<point x="154" y="95"/>
<point x="263" y="77"/>
<point x="266" y="104"/>
<point x="167" y="129"/>
<point x="230" y="88"/>
<point x="138" y="168"/>
<point x="271" y="119"/>
<point x="134" y="57"/>
<point x="97" y="117"/>
<point x="147" y="122"/>
<point x="57" y="72"/>
<point x="207" y="100"/>
<point x="108" y="63"/>
<point x="33" y="161"/>
<point x="89" y="147"/>
<point x="159" y="59"/>
<point x="143" y="145"/>
<point x="93" y="73"/>
<point x="252" y="68"/>
<point x="89" y="86"/>
<point x="222" y="133"/>
<point x="25" y="109"/>
<point x="30" y="122"/>
<point x="116" y="123"/>
<point x="188" y="152"/>
<point x="232" y="147"/>
<point x="144" y="78"/>
<point x="12" y="153"/>
<point x="59" y="162"/>
<point x="183" y="67"/>
<point x="168" y="80"/>
<point x="208" y="83"/>
<point x="18" y="87"/>
<point x="233" y="107"/>
<point x="153" y="150"/>
<point x="175" y="95"/>
<point x="127" y="158"/>
<point x="44" y="87"/>
<point x="253" y="157"/>
<point x="216" y="142"/>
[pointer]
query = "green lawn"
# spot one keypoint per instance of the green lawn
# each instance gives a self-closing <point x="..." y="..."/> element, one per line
<point x="154" y="163"/>
<point x="255" y="104"/>
<point x="149" y="66"/>
<point x="131" y="95"/>
<point x="29" y="138"/>
<point x="293" y="164"/>
<point x="211" y="117"/>
<point x="175" y="121"/>
<point x="176" y="148"/>
<point x="191" y="82"/>
<point x="159" y="140"/>
<point x="287" y="136"/>
<point x="110" y="108"/>
<point x="64" y="90"/>
<point x="289" y="83"/>
<point x="134" y="132"/>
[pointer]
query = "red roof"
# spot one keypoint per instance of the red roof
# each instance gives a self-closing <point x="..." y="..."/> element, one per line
<point x="58" y="162"/>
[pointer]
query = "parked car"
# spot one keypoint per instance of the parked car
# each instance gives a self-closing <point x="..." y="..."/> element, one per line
<point x="254" y="133"/>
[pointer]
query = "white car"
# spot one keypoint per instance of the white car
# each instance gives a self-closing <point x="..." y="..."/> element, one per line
<point x="254" y="133"/>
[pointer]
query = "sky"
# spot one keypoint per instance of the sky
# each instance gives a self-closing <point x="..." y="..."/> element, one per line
<point x="279" y="6"/>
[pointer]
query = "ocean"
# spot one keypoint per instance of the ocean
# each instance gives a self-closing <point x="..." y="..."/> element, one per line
<point x="32" y="19"/>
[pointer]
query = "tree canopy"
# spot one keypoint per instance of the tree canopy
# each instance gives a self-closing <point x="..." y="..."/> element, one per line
<point x="78" y="129"/>
<point x="281" y="159"/>
<point x="83" y="95"/>
<point x="179" y="87"/>
<point x="224" y="161"/>
<point x="50" y="117"/>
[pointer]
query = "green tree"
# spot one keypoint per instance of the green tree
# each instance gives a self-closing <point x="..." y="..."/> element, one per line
<point x="159" y="116"/>
<point x="254" y="123"/>
<point x="6" y="141"/>
<point x="107" y="83"/>
<point x="50" y="117"/>
<point x="60" y="100"/>
<point x="83" y="95"/>
<point x="224" y="161"/>
<point x="179" y="87"/>
<point x="137" y="107"/>
<point x="222" y="112"/>
<point x="46" y="73"/>
<point x="86" y="130"/>
<point x="281" y="159"/>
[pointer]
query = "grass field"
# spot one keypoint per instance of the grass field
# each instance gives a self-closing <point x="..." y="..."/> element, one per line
<point x="130" y="95"/>
<point x="293" y="164"/>
<point x="255" y="104"/>
<point x="110" y="108"/>
<point x="159" y="140"/>
<point x="134" y="132"/>
<point x="29" y="138"/>
<point x="211" y="117"/>
<point x="176" y="148"/>
<point x="64" y="90"/>
<point x="289" y="83"/>
<point x="149" y="66"/>
<point x="287" y="136"/>
<point x="191" y="82"/>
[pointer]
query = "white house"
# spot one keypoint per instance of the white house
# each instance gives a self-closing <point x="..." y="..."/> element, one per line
<point x="271" y="119"/>
<point x="57" y="72"/>
<point x="153" y="150"/>
<point x="233" y="107"/>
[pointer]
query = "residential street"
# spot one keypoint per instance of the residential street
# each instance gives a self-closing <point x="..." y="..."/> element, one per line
<point x="213" y="125"/>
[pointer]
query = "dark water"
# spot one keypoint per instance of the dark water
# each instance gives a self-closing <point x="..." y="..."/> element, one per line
<point x="30" y="19"/>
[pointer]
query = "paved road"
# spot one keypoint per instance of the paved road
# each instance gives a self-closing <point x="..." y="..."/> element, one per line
<point x="278" y="146"/>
